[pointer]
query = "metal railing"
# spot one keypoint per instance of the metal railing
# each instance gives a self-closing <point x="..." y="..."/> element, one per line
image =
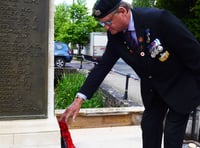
<point x="82" y="58"/>
<point x="135" y="77"/>
<point x="195" y="129"/>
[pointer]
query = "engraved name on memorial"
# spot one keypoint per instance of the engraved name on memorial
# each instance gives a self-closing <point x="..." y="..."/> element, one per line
<point x="23" y="58"/>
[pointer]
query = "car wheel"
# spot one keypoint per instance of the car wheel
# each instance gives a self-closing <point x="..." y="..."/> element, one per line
<point x="59" y="62"/>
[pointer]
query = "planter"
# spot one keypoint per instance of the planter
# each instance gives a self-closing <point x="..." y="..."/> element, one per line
<point x="106" y="117"/>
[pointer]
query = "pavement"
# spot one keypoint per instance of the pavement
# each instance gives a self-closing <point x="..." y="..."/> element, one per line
<point x="109" y="137"/>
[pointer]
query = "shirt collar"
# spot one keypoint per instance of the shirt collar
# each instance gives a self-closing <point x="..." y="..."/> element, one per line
<point x="131" y="26"/>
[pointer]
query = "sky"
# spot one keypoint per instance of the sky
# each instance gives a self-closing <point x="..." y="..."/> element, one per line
<point x="90" y="3"/>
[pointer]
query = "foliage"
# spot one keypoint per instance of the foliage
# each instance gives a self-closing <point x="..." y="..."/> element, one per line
<point x="187" y="10"/>
<point x="142" y="3"/>
<point x="67" y="88"/>
<point x="193" y="23"/>
<point x="181" y="8"/>
<point x="61" y="17"/>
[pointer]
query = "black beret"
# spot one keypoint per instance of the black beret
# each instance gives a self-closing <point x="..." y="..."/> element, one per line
<point x="104" y="7"/>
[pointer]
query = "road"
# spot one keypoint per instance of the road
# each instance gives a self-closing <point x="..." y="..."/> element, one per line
<point x="120" y="67"/>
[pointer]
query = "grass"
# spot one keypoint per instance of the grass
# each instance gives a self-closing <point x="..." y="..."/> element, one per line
<point x="67" y="88"/>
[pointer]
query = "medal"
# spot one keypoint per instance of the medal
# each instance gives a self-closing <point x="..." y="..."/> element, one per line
<point x="155" y="48"/>
<point x="147" y="31"/>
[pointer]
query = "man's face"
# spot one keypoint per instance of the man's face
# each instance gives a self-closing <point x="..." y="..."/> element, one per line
<point x="116" y="21"/>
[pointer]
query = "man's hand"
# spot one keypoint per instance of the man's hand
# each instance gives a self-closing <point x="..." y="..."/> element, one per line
<point x="72" y="110"/>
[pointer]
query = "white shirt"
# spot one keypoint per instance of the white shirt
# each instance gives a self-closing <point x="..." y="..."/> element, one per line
<point x="131" y="27"/>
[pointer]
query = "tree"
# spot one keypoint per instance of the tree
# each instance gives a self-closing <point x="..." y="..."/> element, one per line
<point x="187" y="10"/>
<point x="193" y="23"/>
<point x="81" y="24"/>
<point x="61" y="19"/>
<point x="142" y="3"/>
<point x="73" y="24"/>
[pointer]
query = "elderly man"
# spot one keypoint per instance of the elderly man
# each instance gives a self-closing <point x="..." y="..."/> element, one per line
<point x="164" y="54"/>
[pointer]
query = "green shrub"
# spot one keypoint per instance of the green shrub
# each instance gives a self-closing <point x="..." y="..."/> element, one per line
<point x="67" y="88"/>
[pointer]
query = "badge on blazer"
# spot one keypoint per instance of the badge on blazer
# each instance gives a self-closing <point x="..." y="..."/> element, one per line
<point x="164" y="56"/>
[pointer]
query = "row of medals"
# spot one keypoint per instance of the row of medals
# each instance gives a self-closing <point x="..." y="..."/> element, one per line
<point x="156" y="50"/>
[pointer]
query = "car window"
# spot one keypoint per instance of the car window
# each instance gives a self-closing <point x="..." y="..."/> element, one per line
<point x="58" y="46"/>
<point x="61" y="46"/>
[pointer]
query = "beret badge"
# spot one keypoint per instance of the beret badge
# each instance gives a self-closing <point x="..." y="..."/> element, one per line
<point x="97" y="12"/>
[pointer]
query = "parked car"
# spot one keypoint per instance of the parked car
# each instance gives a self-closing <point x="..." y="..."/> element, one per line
<point x="62" y="54"/>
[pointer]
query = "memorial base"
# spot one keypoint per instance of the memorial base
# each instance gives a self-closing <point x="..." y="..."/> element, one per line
<point x="39" y="133"/>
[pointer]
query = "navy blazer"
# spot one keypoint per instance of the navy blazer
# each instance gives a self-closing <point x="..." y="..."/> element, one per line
<point x="172" y="75"/>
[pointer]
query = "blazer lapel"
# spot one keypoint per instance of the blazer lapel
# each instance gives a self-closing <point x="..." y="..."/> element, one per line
<point x="140" y="33"/>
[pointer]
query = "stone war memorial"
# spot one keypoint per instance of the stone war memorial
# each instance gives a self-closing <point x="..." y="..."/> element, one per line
<point x="27" y="74"/>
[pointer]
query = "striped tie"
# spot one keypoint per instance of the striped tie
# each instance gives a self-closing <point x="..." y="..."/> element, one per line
<point x="130" y="40"/>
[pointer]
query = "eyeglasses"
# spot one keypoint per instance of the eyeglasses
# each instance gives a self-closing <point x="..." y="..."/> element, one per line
<point x="108" y="22"/>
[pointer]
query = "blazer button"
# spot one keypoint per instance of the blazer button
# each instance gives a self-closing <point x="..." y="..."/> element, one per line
<point x="150" y="77"/>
